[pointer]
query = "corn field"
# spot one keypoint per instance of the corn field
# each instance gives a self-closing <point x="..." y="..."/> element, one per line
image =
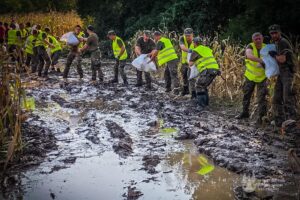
<point x="11" y="93"/>
<point x="59" y="23"/>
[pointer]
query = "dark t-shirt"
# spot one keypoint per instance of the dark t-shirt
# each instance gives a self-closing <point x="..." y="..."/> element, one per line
<point x="160" y="46"/>
<point x="120" y="43"/>
<point x="195" y="56"/>
<point x="92" y="42"/>
<point x="146" y="47"/>
<point x="283" y="47"/>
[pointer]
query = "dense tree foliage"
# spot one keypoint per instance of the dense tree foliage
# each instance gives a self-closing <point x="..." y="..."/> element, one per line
<point x="234" y="18"/>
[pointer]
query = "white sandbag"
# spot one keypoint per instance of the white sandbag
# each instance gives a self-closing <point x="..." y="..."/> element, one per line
<point x="137" y="63"/>
<point x="142" y="63"/>
<point x="271" y="65"/>
<point x="189" y="57"/>
<point x="194" y="72"/>
<point x="148" y="65"/>
<point x="70" y="39"/>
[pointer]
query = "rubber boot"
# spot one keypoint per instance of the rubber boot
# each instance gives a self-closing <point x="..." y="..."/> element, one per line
<point x="185" y="91"/>
<point x="194" y="95"/>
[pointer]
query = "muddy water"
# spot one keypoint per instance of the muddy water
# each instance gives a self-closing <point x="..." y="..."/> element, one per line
<point x="106" y="177"/>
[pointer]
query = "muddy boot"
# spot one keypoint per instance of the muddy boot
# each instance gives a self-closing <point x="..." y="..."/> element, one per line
<point x="243" y="115"/>
<point x="185" y="91"/>
<point x="176" y="91"/>
<point x="202" y="99"/>
<point x="168" y="89"/>
<point x="125" y="82"/>
<point x="194" y="96"/>
<point x="259" y="122"/>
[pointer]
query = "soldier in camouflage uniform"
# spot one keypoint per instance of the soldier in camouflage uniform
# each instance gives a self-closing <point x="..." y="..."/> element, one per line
<point x="284" y="102"/>
<point x="74" y="54"/>
<point x="91" y="46"/>
<point x="144" y="45"/>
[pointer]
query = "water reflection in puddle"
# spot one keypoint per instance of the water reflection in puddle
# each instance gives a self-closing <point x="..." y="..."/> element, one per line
<point x="107" y="176"/>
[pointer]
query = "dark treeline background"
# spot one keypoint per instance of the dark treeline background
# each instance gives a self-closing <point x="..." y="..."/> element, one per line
<point x="235" y="18"/>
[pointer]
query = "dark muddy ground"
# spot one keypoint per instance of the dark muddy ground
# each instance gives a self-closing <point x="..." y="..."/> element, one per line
<point x="105" y="141"/>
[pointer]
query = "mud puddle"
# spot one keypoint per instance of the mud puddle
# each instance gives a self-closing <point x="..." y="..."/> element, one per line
<point x="118" y="142"/>
<point x="107" y="177"/>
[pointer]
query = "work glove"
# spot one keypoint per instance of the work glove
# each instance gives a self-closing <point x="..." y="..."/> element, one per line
<point x="273" y="53"/>
<point x="190" y="51"/>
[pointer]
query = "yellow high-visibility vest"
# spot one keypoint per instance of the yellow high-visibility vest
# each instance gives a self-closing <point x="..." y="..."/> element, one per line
<point x="117" y="49"/>
<point x="29" y="44"/>
<point x="55" y="43"/>
<point x="168" y="53"/>
<point x="40" y="40"/>
<point x="81" y="35"/>
<point x="12" y="38"/>
<point x="254" y="72"/>
<point x="185" y="54"/>
<point x="207" y="60"/>
<point x="23" y="37"/>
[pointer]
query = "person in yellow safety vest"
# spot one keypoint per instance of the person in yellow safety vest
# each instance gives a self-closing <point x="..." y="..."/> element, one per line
<point x="254" y="77"/>
<point x="24" y="34"/>
<point x="40" y="45"/>
<point x="29" y="48"/>
<point x="203" y="58"/>
<point x="28" y="28"/>
<point x="74" y="54"/>
<point x="13" y="42"/>
<point x="55" y="50"/>
<point x="186" y="46"/>
<point x="120" y="54"/>
<point x="165" y="54"/>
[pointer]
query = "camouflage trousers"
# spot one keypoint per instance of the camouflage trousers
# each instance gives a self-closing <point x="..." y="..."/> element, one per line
<point x="204" y="79"/>
<point x="171" y="75"/>
<point x="71" y="57"/>
<point x="262" y="92"/>
<point x="43" y="60"/>
<point x="120" y="65"/>
<point x="284" y="102"/>
<point x="185" y="73"/>
<point x="139" y="76"/>
<point x="96" y="65"/>
<point x="54" y="57"/>
<point x="29" y="59"/>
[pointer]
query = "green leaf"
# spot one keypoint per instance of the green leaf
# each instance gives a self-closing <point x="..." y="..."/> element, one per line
<point x="202" y="160"/>
<point x="168" y="130"/>
<point x="28" y="103"/>
<point x="206" y="169"/>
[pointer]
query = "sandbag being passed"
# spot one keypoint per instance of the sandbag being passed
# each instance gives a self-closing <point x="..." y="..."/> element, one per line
<point x="144" y="63"/>
<point x="70" y="39"/>
<point x="271" y="65"/>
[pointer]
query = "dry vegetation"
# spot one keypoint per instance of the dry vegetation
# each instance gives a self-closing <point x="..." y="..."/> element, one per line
<point x="59" y="23"/>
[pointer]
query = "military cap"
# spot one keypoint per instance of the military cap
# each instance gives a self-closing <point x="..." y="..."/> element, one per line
<point x="188" y="31"/>
<point x="157" y="33"/>
<point x="147" y="32"/>
<point x="274" y="28"/>
<point x="91" y="28"/>
<point x="111" y="32"/>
